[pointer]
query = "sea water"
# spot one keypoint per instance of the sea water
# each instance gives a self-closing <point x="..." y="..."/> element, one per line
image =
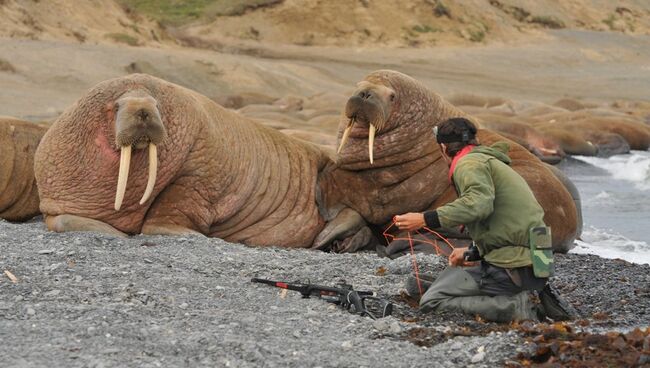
<point x="615" y="195"/>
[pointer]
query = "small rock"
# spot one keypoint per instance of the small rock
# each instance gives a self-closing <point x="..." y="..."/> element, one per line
<point x="380" y="325"/>
<point x="395" y="328"/>
<point x="184" y="306"/>
<point x="478" y="357"/>
<point x="31" y="311"/>
<point x="46" y="251"/>
<point x="347" y="345"/>
<point x="19" y="298"/>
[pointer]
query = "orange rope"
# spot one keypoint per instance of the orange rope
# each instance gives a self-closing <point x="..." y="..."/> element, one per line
<point x="390" y="238"/>
<point x="415" y="264"/>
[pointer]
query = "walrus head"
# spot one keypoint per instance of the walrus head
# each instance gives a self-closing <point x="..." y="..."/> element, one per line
<point x="137" y="124"/>
<point x="369" y="108"/>
<point x="388" y="121"/>
<point x="378" y="177"/>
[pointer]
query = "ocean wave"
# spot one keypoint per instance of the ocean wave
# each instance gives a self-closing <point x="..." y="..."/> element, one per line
<point x="633" y="167"/>
<point x="608" y="244"/>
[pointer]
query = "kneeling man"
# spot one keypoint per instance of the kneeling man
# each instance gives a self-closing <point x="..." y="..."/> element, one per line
<point x="506" y="225"/>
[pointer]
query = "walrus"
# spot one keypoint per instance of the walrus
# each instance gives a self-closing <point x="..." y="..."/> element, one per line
<point x="545" y="148"/>
<point x="18" y="192"/>
<point x="570" y="142"/>
<point x="388" y="162"/>
<point x="606" y="143"/>
<point x="633" y="131"/>
<point x="468" y="99"/>
<point x="636" y="134"/>
<point x="137" y="154"/>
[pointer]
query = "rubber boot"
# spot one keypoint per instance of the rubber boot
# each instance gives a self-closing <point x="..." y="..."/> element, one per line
<point x="554" y="306"/>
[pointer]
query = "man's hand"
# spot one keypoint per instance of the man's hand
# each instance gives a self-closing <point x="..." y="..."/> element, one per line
<point x="410" y="221"/>
<point x="456" y="257"/>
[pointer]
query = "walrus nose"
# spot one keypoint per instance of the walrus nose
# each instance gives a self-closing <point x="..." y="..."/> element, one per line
<point x="142" y="114"/>
<point x="353" y="106"/>
<point x="355" y="100"/>
<point x="365" y="95"/>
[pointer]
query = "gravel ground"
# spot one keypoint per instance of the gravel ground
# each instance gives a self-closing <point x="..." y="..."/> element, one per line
<point x="88" y="300"/>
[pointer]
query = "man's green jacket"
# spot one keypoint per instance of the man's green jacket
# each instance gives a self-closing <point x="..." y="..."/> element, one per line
<point x="495" y="204"/>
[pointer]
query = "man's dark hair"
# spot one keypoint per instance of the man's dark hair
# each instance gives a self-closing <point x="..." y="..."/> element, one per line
<point x="456" y="133"/>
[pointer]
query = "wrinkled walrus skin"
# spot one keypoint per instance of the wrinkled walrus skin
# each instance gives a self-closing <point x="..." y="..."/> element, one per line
<point x="389" y="163"/>
<point x="18" y="192"/>
<point x="218" y="173"/>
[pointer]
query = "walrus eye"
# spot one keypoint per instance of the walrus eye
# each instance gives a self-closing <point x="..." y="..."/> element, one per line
<point x="392" y="97"/>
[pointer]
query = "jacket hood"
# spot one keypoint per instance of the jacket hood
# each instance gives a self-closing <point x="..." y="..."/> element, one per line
<point x="498" y="150"/>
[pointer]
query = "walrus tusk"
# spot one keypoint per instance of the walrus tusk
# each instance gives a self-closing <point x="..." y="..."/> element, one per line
<point x="123" y="176"/>
<point x="346" y="134"/>
<point x="153" y="171"/>
<point x="371" y="142"/>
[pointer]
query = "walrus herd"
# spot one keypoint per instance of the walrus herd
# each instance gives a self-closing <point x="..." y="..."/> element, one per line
<point x="138" y="154"/>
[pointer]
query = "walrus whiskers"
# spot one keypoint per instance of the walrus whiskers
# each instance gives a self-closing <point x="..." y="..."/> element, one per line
<point x="346" y="134"/>
<point x="123" y="176"/>
<point x="153" y="171"/>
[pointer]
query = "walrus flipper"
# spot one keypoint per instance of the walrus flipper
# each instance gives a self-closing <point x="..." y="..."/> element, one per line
<point x="63" y="223"/>
<point x="347" y="232"/>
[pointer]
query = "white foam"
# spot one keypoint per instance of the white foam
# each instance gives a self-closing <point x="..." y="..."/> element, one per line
<point x="602" y="198"/>
<point x="633" y="167"/>
<point x="602" y="195"/>
<point x="608" y="244"/>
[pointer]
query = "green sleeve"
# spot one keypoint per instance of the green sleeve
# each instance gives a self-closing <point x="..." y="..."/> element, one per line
<point x="476" y="195"/>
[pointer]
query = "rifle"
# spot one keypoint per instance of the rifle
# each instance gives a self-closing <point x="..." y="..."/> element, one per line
<point x="352" y="300"/>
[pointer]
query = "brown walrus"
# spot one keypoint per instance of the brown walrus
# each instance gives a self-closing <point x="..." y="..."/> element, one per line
<point x="602" y="131"/>
<point x="545" y="148"/>
<point x="18" y="191"/>
<point x="210" y="170"/>
<point x="468" y="99"/>
<point x="389" y="164"/>
<point x="571" y="143"/>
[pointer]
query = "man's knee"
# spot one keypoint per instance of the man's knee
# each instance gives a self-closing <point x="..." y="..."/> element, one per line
<point x="452" y="283"/>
